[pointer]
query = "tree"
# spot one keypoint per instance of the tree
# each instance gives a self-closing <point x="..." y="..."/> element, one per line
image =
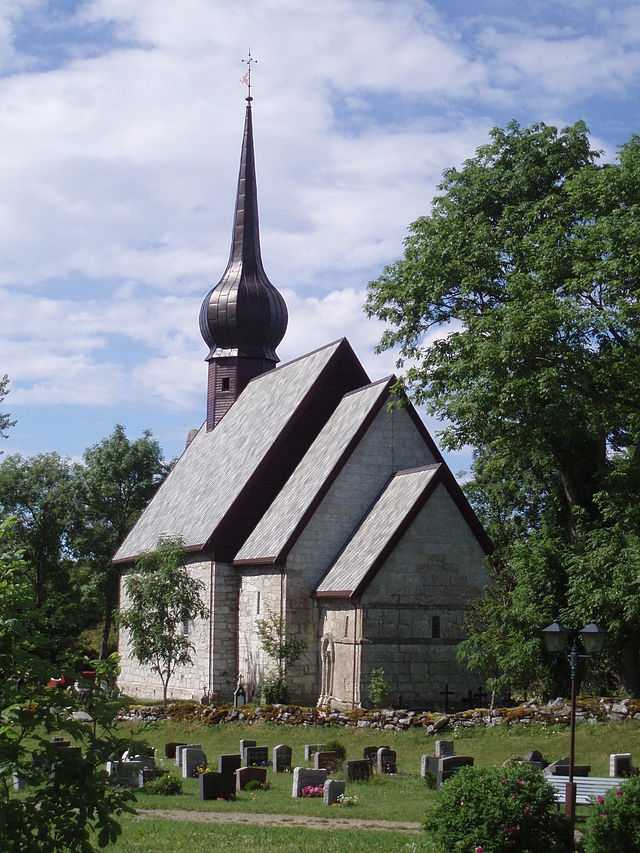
<point x="68" y="797"/>
<point x="5" y="417"/>
<point x="116" y="481"/>
<point x="517" y="303"/>
<point x="162" y="598"/>
<point x="284" y="648"/>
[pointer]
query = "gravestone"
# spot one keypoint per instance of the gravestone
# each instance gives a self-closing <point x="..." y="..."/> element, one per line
<point x="170" y="749"/>
<point x="329" y="761"/>
<point x="302" y="777"/>
<point x="332" y="790"/>
<point x="386" y="762"/>
<point x="244" y="743"/>
<point x="358" y="770"/>
<point x="444" y="748"/>
<point x="215" y="786"/>
<point x="249" y="774"/>
<point x="371" y="752"/>
<point x="620" y="764"/>
<point x="449" y="765"/>
<point x="256" y="756"/>
<point x="127" y="774"/>
<point x="229" y="763"/>
<point x="281" y="758"/>
<point x="192" y="758"/>
<point x="180" y="747"/>
<point x="310" y="749"/>
<point x="561" y="768"/>
<point x="534" y="759"/>
<point x="428" y="764"/>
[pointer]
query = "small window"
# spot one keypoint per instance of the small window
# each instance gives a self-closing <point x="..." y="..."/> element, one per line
<point x="185" y="629"/>
<point x="258" y="604"/>
<point x="225" y="383"/>
<point x="346" y="625"/>
<point x="435" y="627"/>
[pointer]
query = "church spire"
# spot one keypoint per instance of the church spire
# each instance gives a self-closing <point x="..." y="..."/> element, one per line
<point x="243" y="318"/>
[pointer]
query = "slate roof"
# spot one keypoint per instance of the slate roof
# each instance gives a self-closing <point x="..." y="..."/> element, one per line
<point x="384" y="525"/>
<point x="218" y="465"/>
<point x="280" y="526"/>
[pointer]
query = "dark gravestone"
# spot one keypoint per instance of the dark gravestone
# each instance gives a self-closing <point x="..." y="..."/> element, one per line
<point x="332" y="792"/>
<point x="371" y="752"/>
<point x="386" y="760"/>
<point x="249" y="774"/>
<point x="561" y="768"/>
<point x="281" y="758"/>
<point x="302" y="777"/>
<point x="449" y="765"/>
<point x="358" y="770"/>
<point x="329" y="761"/>
<point x="310" y="749"/>
<point x="620" y="764"/>
<point x="534" y="759"/>
<point x="243" y="745"/>
<point x="444" y="748"/>
<point x="170" y="749"/>
<point x="256" y="756"/>
<point x="229" y="764"/>
<point x="215" y="786"/>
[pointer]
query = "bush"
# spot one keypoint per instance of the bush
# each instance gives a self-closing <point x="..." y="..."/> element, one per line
<point x="613" y="825"/>
<point x="335" y="745"/>
<point x="499" y="810"/>
<point x="167" y="785"/>
<point x="274" y="689"/>
<point x="378" y="690"/>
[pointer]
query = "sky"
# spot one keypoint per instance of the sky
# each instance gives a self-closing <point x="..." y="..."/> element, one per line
<point x="120" y="131"/>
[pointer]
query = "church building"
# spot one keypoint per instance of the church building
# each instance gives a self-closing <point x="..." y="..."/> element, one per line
<point x="308" y="495"/>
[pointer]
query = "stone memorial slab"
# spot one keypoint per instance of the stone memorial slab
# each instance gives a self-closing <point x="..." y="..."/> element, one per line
<point x="229" y="763"/>
<point x="303" y="776"/>
<point x="620" y="764"/>
<point x="329" y="761"/>
<point x="444" y="748"/>
<point x="534" y="758"/>
<point x="386" y="760"/>
<point x="191" y="759"/>
<point x="561" y="768"/>
<point x="371" y="752"/>
<point x="244" y="743"/>
<point x="249" y="774"/>
<point x="216" y="786"/>
<point x="180" y="747"/>
<point x="127" y="774"/>
<point x="357" y="770"/>
<point x="333" y="789"/>
<point x="310" y="749"/>
<point x="256" y="756"/>
<point x="281" y="758"/>
<point x="170" y="749"/>
<point x="449" y="765"/>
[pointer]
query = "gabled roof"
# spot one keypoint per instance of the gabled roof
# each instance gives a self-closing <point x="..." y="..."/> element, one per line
<point x="227" y="477"/>
<point x="385" y="524"/>
<point x="282" y="523"/>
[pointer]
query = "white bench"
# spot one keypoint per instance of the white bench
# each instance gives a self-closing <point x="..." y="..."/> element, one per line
<point x="587" y="787"/>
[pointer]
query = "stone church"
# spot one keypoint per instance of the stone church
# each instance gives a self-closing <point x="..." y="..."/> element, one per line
<point x="307" y="494"/>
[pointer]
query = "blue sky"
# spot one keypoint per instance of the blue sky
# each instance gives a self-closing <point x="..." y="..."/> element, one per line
<point x="120" y="131"/>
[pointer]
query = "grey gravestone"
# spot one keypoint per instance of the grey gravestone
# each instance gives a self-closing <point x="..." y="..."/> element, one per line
<point x="302" y="777"/>
<point x="449" y="765"/>
<point x="180" y="747"/>
<point x="250" y="774"/>
<point x="386" y="762"/>
<point x="256" y="756"/>
<point x="329" y="761"/>
<point x="229" y="763"/>
<point x="371" y="752"/>
<point x="310" y="749"/>
<point x="214" y="786"/>
<point x="444" y="748"/>
<point x="332" y="790"/>
<point x="244" y="744"/>
<point x="358" y="770"/>
<point x="192" y="758"/>
<point x="534" y="759"/>
<point x="281" y="758"/>
<point x="620" y="764"/>
<point x="561" y="768"/>
<point x="127" y="774"/>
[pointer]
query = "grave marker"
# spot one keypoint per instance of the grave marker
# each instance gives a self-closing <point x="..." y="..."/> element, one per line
<point x="228" y="764"/>
<point x="302" y="777"/>
<point x="444" y="748"/>
<point x="192" y="758"/>
<point x="249" y="774"/>
<point x="281" y="758"/>
<point x="214" y="786"/>
<point x="358" y="770"/>
<point x="244" y="743"/>
<point x="333" y="789"/>
<point x="310" y="749"/>
<point x="256" y="756"/>
<point x="329" y="761"/>
<point x="620" y="764"/>
<point x="386" y="762"/>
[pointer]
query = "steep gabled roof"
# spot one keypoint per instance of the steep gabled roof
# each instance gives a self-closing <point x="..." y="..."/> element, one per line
<point x="226" y="478"/>
<point x="282" y="523"/>
<point x="385" y="524"/>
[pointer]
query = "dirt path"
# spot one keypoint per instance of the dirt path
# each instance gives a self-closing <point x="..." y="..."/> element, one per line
<point x="285" y="820"/>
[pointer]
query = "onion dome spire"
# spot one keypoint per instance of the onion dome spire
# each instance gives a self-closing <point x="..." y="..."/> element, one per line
<point x="244" y="314"/>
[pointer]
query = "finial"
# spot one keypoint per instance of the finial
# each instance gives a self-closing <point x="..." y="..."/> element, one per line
<point x="246" y="78"/>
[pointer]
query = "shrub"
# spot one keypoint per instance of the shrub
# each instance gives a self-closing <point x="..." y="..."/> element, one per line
<point x="613" y="825"/>
<point x="378" y="690"/>
<point x="274" y="689"/>
<point x="166" y="785"/>
<point x="335" y="745"/>
<point x="500" y="810"/>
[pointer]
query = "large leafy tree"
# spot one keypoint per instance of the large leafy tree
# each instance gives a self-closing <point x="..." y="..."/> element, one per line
<point x="116" y="481"/>
<point x="516" y="310"/>
<point x="162" y="598"/>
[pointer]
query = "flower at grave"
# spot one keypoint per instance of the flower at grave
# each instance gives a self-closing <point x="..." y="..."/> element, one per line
<point x="515" y="796"/>
<point x="522" y="782"/>
<point x="600" y="799"/>
<point x="479" y="849"/>
<point x="618" y="793"/>
<point x="313" y="791"/>
<point x="603" y="814"/>
<point x="527" y="809"/>
<point x="512" y="831"/>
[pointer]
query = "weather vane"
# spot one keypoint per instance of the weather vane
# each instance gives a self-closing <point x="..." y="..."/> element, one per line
<point x="246" y="78"/>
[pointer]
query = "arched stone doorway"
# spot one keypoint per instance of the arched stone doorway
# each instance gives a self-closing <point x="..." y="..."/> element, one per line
<point x="327" y="658"/>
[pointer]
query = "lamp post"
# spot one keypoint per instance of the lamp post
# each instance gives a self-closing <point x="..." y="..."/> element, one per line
<point x="555" y="638"/>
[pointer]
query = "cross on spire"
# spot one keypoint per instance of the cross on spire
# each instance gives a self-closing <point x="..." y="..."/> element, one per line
<point x="246" y="78"/>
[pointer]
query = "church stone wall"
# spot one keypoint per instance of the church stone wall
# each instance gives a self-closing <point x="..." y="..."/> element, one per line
<point x="434" y="571"/>
<point x="261" y="589"/>
<point x="341" y="635"/>
<point x="392" y="442"/>
<point x="224" y="676"/>
<point x="187" y="682"/>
